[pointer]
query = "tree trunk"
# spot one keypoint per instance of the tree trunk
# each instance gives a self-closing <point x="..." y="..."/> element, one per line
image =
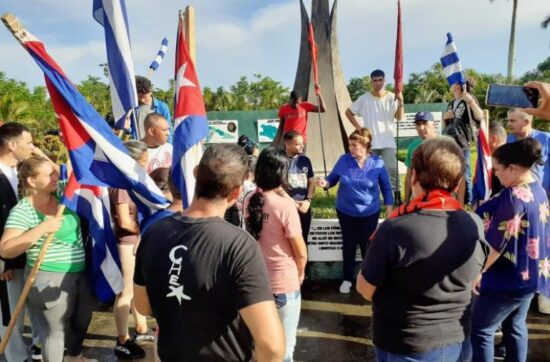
<point x="512" y="45"/>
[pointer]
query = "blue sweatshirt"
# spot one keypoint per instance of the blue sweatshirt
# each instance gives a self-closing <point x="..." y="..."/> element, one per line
<point x="359" y="191"/>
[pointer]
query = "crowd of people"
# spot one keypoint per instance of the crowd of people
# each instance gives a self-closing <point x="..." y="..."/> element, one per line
<point x="223" y="277"/>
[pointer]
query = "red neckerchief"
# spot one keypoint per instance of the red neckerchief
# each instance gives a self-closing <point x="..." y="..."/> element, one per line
<point x="433" y="200"/>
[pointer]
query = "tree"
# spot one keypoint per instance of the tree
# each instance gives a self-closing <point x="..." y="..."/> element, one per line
<point x="541" y="73"/>
<point x="429" y="86"/>
<point x="97" y="93"/>
<point x="546" y="22"/>
<point x="358" y="86"/>
<point x="512" y="43"/>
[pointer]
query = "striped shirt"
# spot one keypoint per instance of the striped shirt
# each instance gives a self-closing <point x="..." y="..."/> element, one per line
<point x="66" y="251"/>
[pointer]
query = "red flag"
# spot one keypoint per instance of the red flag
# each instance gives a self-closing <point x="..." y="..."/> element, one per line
<point x="313" y="49"/>
<point x="398" y="66"/>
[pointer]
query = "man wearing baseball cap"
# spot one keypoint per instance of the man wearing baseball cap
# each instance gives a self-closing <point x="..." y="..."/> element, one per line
<point x="424" y="122"/>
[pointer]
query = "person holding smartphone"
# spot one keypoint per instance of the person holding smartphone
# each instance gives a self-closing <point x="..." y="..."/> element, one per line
<point x="461" y="121"/>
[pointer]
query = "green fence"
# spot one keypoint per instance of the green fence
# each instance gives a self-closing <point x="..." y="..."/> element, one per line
<point x="248" y="119"/>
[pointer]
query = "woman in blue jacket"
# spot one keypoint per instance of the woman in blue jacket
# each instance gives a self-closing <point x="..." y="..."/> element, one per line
<point x="362" y="176"/>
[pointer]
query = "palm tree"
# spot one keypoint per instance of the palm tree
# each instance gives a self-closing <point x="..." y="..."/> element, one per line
<point x="11" y="110"/>
<point x="546" y="22"/>
<point x="512" y="44"/>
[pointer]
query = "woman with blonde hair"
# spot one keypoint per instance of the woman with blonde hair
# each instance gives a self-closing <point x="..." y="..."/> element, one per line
<point x="60" y="299"/>
<point x="362" y="177"/>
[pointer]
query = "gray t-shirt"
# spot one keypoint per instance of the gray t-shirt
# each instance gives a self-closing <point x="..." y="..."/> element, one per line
<point x="423" y="265"/>
<point x="141" y="112"/>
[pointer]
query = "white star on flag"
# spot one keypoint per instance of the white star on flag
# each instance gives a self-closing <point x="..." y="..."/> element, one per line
<point x="181" y="80"/>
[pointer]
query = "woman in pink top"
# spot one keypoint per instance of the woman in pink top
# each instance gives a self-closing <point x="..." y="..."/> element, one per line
<point x="273" y="220"/>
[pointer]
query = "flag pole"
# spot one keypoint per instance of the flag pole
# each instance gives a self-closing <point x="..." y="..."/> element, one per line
<point x="321" y="135"/>
<point x="28" y="284"/>
<point x="398" y="79"/>
<point x="189" y="21"/>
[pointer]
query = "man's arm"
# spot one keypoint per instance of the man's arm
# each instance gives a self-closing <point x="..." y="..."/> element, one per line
<point x="141" y="300"/>
<point x="365" y="288"/>
<point x="400" y="107"/>
<point x="279" y="136"/>
<point x="352" y="119"/>
<point x="322" y="108"/>
<point x="408" y="187"/>
<point x="265" y="326"/>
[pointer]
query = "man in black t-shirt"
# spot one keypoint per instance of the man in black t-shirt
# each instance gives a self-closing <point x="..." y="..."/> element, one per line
<point x="205" y="280"/>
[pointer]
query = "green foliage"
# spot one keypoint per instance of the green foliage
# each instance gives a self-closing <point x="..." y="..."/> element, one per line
<point x="358" y="86"/>
<point x="259" y="94"/>
<point x="98" y="94"/>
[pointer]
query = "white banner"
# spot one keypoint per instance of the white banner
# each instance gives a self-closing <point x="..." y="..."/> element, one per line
<point x="223" y="131"/>
<point x="325" y="241"/>
<point x="267" y="130"/>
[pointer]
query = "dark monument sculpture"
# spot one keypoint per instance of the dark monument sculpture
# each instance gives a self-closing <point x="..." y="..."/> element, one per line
<point x="335" y="125"/>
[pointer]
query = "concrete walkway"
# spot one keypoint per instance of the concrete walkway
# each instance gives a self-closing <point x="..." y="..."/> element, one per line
<point x="333" y="327"/>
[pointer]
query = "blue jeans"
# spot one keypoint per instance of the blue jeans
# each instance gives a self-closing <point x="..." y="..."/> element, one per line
<point x="288" y="307"/>
<point x="468" y="195"/>
<point x="490" y="311"/>
<point x="451" y="353"/>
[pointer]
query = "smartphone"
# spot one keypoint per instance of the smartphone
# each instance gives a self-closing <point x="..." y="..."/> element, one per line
<point x="512" y="96"/>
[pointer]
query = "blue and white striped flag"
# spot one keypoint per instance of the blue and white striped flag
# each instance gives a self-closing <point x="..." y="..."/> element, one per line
<point x="99" y="159"/>
<point x="112" y="15"/>
<point x="160" y="55"/>
<point x="451" y="64"/>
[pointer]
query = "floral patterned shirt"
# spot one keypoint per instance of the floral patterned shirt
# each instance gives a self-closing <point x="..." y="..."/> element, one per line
<point x="516" y="225"/>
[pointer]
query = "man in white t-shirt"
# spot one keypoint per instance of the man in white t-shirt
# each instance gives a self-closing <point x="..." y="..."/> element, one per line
<point x="379" y="110"/>
<point x="157" y="132"/>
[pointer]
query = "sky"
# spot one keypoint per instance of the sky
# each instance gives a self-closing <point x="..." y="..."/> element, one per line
<point x="245" y="37"/>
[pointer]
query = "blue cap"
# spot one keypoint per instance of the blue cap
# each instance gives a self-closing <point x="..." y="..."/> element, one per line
<point x="424" y="116"/>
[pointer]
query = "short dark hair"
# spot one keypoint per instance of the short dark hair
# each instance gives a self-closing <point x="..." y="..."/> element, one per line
<point x="296" y="94"/>
<point x="11" y="130"/>
<point x="439" y="164"/>
<point x="524" y="153"/>
<point x="143" y="85"/>
<point x="470" y="84"/>
<point x="222" y="168"/>
<point x="377" y="73"/>
<point x="151" y="119"/>
<point x="290" y="135"/>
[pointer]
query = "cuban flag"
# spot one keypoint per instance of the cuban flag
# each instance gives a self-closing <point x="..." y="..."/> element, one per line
<point x="98" y="158"/>
<point x="111" y="14"/>
<point x="92" y="203"/>
<point x="482" y="185"/>
<point x="160" y="55"/>
<point x="451" y="63"/>
<point x="189" y="119"/>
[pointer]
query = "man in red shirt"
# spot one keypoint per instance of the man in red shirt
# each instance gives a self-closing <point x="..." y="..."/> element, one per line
<point x="293" y="115"/>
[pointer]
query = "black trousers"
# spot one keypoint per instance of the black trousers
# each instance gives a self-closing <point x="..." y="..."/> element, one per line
<point x="355" y="231"/>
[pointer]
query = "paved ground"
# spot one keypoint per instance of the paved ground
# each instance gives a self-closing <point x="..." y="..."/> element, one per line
<point x="333" y="327"/>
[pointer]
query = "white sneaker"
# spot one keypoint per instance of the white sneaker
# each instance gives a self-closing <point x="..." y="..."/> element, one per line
<point x="345" y="287"/>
